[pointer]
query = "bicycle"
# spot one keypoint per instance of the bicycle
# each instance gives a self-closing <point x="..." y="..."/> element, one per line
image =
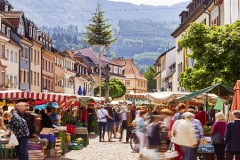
<point x="134" y="141"/>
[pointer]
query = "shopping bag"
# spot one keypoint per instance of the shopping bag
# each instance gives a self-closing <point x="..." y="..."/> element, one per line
<point x="13" y="140"/>
<point x="171" y="153"/>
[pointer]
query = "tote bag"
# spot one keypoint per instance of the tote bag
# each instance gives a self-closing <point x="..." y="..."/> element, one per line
<point x="217" y="138"/>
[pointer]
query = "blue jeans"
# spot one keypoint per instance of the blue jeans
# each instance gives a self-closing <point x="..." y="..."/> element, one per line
<point x="22" y="148"/>
<point x="102" y="127"/>
<point x="187" y="153"/>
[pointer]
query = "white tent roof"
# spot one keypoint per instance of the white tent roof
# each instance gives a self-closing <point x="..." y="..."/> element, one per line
<point x="164" y="97"/>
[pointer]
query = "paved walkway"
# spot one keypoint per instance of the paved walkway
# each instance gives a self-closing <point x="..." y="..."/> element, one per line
<point x="101" y="151"/>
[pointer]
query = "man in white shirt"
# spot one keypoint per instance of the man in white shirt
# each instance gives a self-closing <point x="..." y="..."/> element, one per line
<point x="102" y="121"/>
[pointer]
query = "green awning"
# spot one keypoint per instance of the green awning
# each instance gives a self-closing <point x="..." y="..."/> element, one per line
<point x="219" y="89"/>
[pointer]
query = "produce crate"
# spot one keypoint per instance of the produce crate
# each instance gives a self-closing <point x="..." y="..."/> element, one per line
<point x="82" y="130"/>
<point x="35" y="146"/>
<point x="205" y="148"/>
<point x="71" y="129"/>
<point x="36" y="154"/>
<point x="8" y="153"/>
<point x="49" y="137"/>
<point x="75" y="147"/>
<point x="84" y="137"/>
<point x="79" y="124"/>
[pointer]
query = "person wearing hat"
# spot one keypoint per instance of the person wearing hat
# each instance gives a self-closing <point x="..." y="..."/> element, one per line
<point x="20" y="128"/>
<point x="22" y="108"/>
<point x="55" y="117"/>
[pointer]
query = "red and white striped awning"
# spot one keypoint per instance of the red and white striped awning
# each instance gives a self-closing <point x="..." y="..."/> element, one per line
<point x="64" y="100"/>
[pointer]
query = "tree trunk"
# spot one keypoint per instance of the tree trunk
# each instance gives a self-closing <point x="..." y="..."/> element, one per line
<point x="107" y="83"/>
<point x="100" y="73"/>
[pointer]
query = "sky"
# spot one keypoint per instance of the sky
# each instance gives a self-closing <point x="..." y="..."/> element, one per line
<point x="152" y="2"/>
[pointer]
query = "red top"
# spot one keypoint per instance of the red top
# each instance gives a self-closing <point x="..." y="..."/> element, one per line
<point x="201" y="116"/>
<point x="219" y="126"/>
<point x="84" y="115"/>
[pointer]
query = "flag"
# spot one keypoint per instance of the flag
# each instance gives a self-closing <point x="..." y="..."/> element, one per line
<point x="184" y="60"/>
<point x="218" y="105"/>
<point x="206" y="104"/>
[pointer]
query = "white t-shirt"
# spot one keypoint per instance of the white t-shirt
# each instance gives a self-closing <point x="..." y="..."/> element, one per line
<point x="102" y="113"/>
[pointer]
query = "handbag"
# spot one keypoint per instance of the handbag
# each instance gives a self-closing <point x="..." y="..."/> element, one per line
<point x="171" y="153"/>
<point x="217" y="138"/>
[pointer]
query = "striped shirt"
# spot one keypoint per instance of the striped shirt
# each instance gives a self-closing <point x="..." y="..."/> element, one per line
<point x="198" y="129"/>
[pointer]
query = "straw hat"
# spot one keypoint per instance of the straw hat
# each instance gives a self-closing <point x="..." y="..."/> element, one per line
<point x="22" y="104"/>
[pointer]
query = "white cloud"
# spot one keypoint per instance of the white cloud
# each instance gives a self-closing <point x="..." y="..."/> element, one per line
<point x="152" y="2"/>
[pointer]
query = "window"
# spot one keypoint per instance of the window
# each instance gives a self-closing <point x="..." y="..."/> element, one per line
<point x="144" y="84"/>
<point x="35" y="56"/>
<point x="22" y="76"/>
<point x="11" y="56"/>
<point x="4" y="29"/>
<point x="26" y="52"/>
<point x="6" y="7"/>
<point x="30" y="31"/>
<point x="52" y="67"/>
<point x="138" y="83"/>
<point x="11" y="79"/>
<point x="3" y="78"/>
<point x="15" y="80"/>
<point x="204" y="21"/>
<point x="216" y="21"/>
<point x="31" y="54"/>
<point x="43" y="64"/>
<point x="141" y="83"/>
<point x="179" y="69"/>
<point x="49" y="66"/>
<point x="38" y="55"/>
<point x="35" y="78"/>
<point x="120" y="71"/>
<point x="7" y="54"/>
<point x="8" y="32"/>
<point x="15" y="57"/>
<point x="115" y="70"/>
<point x="46" y="65"/>
<point x="38" y="79"/>
<point x="3" y="50"/>
<point x="127" y="83"/>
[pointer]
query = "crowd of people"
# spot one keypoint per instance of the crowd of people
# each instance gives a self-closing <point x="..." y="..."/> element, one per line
<point x="183" y="129"/>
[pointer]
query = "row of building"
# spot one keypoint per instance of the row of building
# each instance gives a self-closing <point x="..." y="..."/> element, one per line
<point x="171" y="63"/>
<point x="28" y="61"/>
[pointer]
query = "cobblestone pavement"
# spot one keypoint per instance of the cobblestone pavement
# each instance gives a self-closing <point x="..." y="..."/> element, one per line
<point x="101" y="151"/>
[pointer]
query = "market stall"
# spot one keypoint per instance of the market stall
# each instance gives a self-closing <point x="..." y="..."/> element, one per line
<point x="53" y="141"/>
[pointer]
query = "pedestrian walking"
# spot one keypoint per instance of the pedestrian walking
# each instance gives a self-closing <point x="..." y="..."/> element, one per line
<point x="198" y="133"/>
<point x="218" y="131"/>
<point x="20" y="128"/>
<point x="141" y="131"/>
<point x="232" y="139"/>
<point x="153" y="133"/>
<point x="181" y="109"/>
<point x="183" y="134"/>
<point x="126" y="123"/>
<point x="116" y="121"/>
<point x="110" y="123"/>
<point x="102" y="121"/>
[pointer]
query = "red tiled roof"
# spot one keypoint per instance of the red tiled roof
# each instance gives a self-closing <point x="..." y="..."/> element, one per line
<point x="130" y="69"/>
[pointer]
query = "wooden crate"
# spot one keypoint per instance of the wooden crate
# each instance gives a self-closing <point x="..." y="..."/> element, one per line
<point x="82" y="130"/>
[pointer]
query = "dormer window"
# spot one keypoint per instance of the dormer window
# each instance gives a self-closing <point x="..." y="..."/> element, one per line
<point x="6" y="8"/>
<point x="8" y="32"/>
<point x="30" y="31"/>
<point x="4" y="29"/>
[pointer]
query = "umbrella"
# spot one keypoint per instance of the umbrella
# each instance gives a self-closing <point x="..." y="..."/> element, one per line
<point x="80" y="92"/>
<point x="84" y="91"/>
<point x="236" y="100"/>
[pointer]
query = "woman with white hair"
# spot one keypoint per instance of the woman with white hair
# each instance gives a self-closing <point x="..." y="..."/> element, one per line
<point x="218" y="131"/>
<point x="183" y="134"/>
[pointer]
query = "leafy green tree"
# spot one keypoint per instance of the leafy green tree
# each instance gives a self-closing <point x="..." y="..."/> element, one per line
<point x="216" y="51"/>
<point x="117" y="89"/>
<point x="149" y="75"/>
<point x="99" y="34"/>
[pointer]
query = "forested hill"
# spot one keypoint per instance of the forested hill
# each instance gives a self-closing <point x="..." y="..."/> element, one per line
<point x="77" y="12"/>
